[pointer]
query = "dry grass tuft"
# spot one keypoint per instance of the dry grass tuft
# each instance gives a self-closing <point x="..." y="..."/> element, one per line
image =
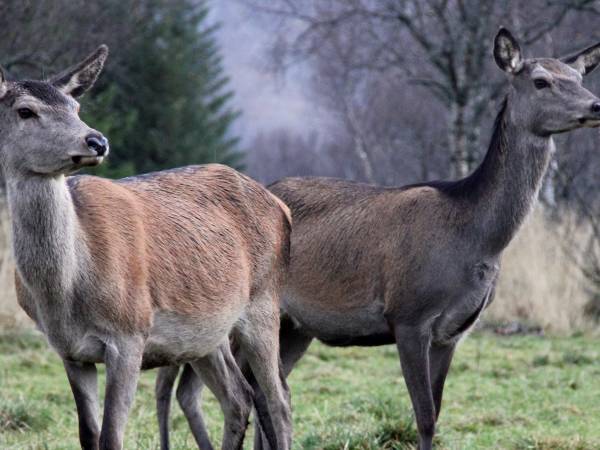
<point x="539" y="281"/>
<point x="11" y="314"/>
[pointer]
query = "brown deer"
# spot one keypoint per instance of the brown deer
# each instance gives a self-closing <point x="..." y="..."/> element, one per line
<point x="152" y="270"/>
<point x="417" y="265"/>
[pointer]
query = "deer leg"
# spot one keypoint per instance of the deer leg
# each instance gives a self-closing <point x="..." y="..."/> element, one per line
<point x="123" y="364"/>
<point x="189" y="391"/>
<point x="440" y="357"/>
<point x="84" y="384"/>
<point x="224" y="378"/>
<point x="258" y="337"/>
<point x="163" y="389"/>
<point x="413" y="349"/>
<point x="293" y="344"/>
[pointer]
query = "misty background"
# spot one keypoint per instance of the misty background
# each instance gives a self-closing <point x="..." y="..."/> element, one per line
<point x="269" y="100"/>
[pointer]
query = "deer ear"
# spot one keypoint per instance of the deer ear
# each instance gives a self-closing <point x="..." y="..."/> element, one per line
<point x="507" y="52"/>
<point x="79" y="78"/>
<point x="585" y="61"/>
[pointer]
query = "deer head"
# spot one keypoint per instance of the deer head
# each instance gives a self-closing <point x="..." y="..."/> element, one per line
<point x="40" y="129"/>
<point x="547" y="94"/>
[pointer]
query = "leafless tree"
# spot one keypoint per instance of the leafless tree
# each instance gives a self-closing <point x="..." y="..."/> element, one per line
<point x="39" y="36"/>
<point x="440" y="45"/>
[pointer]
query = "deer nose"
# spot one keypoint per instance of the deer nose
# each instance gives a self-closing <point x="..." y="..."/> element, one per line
<point x="98" y="143"/>
<point x="596" y="108"/>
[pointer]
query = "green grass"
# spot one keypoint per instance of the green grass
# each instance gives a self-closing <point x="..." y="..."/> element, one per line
<point x="521" y="392"/>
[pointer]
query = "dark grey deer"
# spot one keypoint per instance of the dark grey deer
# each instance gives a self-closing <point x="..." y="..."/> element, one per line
<point x="417" y="265"/>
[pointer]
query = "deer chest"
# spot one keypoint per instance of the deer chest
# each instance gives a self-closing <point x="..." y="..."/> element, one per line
<point x="465" y="305"/>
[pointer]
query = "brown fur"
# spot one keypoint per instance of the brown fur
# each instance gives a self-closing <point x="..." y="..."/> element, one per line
<point x="204" y="243"/>
<point x="226" y="227"/>
<point x="147" y="271"/>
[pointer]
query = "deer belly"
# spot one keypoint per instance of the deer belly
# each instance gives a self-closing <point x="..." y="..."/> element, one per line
<point x="361" y="325"/>
<point x="176" y="338"/>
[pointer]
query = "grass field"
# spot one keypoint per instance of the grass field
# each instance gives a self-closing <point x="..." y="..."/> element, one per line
<point x="522" y="392"/>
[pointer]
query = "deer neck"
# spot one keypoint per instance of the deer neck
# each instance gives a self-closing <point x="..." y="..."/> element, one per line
<point x="45" y="234"/>
<point x="506" y="184"/>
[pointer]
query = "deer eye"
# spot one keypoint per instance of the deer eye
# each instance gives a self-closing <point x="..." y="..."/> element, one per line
<point x="540" y="83"/>
<point x="26" y="113"/>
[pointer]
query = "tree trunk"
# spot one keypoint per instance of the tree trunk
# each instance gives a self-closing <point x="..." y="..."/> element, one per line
<point x="459" y="154"/>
